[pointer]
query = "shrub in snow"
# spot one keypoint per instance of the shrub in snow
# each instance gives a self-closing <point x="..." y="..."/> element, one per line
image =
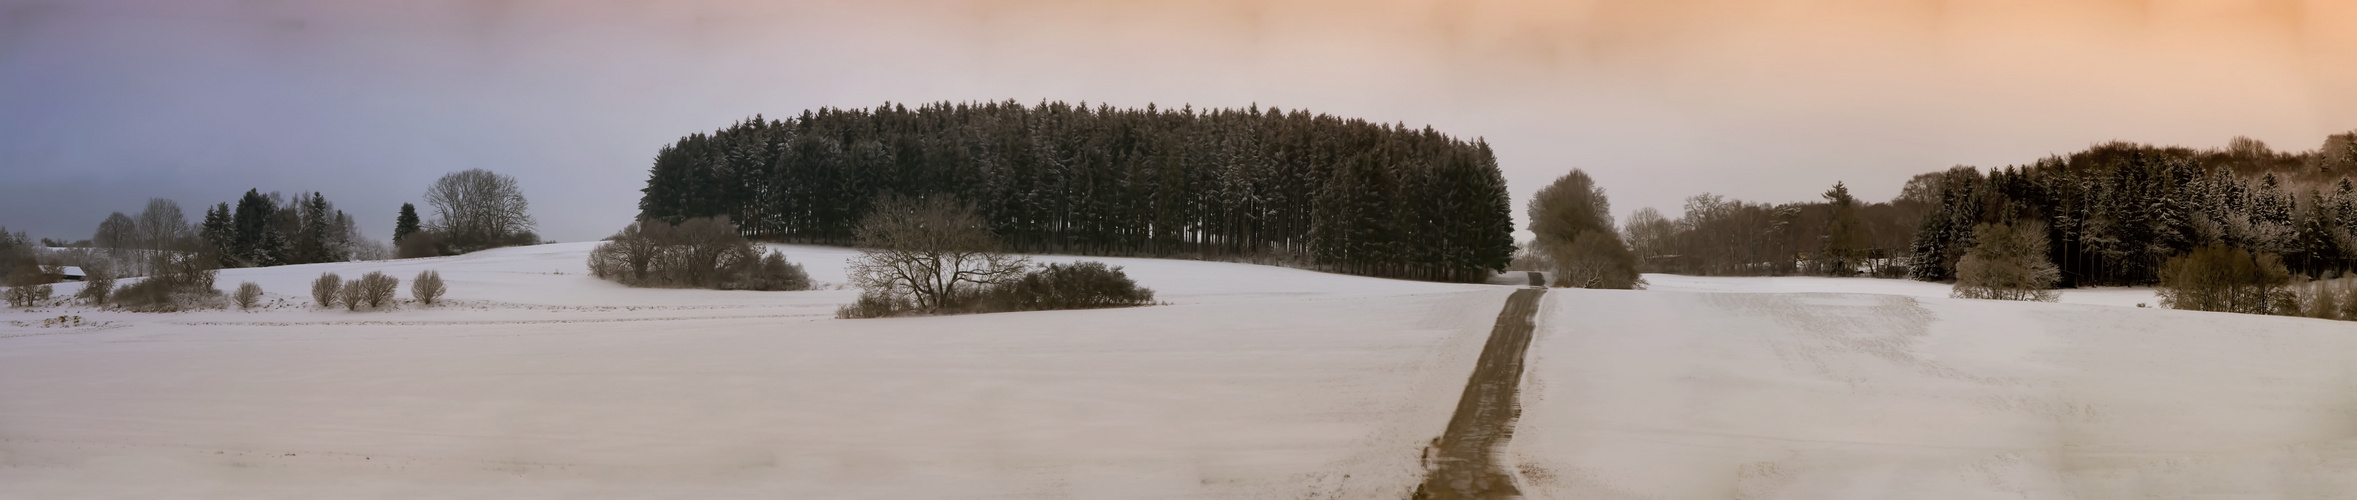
<point x="179" y="280"/>
<point x="248" y="294"/>
<point x="352" y="295"/>
<point x="2007" y="262"/>
<point x="372" y="290"/>
<point x="427" y="288"/>
<point x="703" y="252"/>
<point x="874" y="305"/>
<point x="98" y="282"/>
<point x="27" y="295"/>
<point x="326" y="289"/>
<point x="772" y="273"/>
<point x="1081" y="285"/>
<point x="2227" y="279"/>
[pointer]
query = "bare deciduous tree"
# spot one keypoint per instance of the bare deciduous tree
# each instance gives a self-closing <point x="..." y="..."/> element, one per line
<point x="925" y="250"/>
<point x="161" y="224"/>
<point x="478" y="209"/>
<point x="118" y="231"/>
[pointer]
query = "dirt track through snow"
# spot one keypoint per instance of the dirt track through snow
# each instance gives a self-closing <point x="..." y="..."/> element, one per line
<point x="1466" y="465"/>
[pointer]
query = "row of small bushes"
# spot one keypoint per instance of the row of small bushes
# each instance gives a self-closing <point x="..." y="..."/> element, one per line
<point x="372" y="290"/>
<point x="703" y="252"/>
<point x="1080" y="285"/>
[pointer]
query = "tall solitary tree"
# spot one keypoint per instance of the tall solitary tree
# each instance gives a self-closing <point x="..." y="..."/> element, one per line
<point x="406" y="224"/>
<point x="162" y="224"/>
<point x="1573" y="223"/>
<point x="1846" y="239"/>
<point x="478" y="209"/>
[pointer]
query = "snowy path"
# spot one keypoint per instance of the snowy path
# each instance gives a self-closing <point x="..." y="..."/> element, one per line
<point x="1466" y="465"/>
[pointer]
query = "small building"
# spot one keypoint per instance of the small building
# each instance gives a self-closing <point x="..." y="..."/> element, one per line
<point x="65" y="273"/>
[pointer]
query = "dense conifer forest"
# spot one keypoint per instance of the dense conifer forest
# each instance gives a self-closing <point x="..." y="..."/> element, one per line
<point x="2116" y="212"/>
<point x="1343" y="194"/>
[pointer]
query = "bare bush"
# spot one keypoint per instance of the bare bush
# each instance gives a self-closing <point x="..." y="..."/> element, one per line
<point x="326" y="289"/>
<point x="2007" y="262"/>
<point x="181" y="279"/>
<point x="248" y="295"/>
<point x="427" y="288"/>
<point x="697" y="253"/>
<point x="377" y="288"/>
<point x="873" y="304"/>
<point x="773" y="273"/>
<point x="1597" y="259"/>
<point x="924" y="251"/>
<point x="353" y="295"/>
<point x="27" y="288"/>
<point x="2227" y="279"/>
<point x="98" y="283"/>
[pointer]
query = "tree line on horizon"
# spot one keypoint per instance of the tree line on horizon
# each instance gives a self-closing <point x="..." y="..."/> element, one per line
<point x="1248" y="184"/>
<point x="2111" y="215"/>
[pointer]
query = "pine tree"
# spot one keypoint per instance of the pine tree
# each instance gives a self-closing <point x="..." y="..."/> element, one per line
<point x="405" y="224"/>
<point x="1846" y="239"/>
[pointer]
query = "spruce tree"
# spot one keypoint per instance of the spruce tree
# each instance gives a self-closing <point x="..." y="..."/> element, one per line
<point x="405" y="224"/>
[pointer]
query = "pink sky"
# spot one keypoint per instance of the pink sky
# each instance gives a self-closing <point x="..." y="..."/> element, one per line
<point x="104" y="103"/>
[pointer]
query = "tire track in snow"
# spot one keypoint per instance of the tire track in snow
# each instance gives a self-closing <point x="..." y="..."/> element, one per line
<point x="1464" y="461"/>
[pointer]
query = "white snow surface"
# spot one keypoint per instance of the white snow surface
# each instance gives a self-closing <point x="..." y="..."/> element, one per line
<point x="538" y="381"/>
<point x="1805" y="395"/>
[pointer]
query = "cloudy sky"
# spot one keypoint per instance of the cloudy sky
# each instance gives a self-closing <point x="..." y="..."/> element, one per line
<point x="105" y="103"/>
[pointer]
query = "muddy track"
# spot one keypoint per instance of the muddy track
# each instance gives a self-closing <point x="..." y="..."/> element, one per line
<point x="1463" y="463"/>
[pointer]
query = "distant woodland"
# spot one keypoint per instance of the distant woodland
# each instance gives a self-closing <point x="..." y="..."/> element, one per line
<point x="2113" y="214"/>
<point x="1245" y="184"/>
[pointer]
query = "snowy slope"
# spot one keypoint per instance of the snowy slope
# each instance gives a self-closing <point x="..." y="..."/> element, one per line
<point x="538" y="381"/>
<point x="2109" y="296"/>
<point x="1676" y="395"/>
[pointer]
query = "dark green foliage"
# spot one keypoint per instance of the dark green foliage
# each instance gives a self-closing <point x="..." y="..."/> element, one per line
<point x="1080" y="285"/>
<point x="405" y="224"/>
<point x="1846" y="237"/>
<point x="2117" y="212"/>
<point x="253" y="241"/>
<point x="1245" y="184"/>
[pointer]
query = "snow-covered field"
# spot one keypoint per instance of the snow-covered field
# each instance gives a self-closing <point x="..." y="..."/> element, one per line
<point x="538" y="381"/>
<point x="1665" y="394"/>
<point x="1255" y="382"/>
